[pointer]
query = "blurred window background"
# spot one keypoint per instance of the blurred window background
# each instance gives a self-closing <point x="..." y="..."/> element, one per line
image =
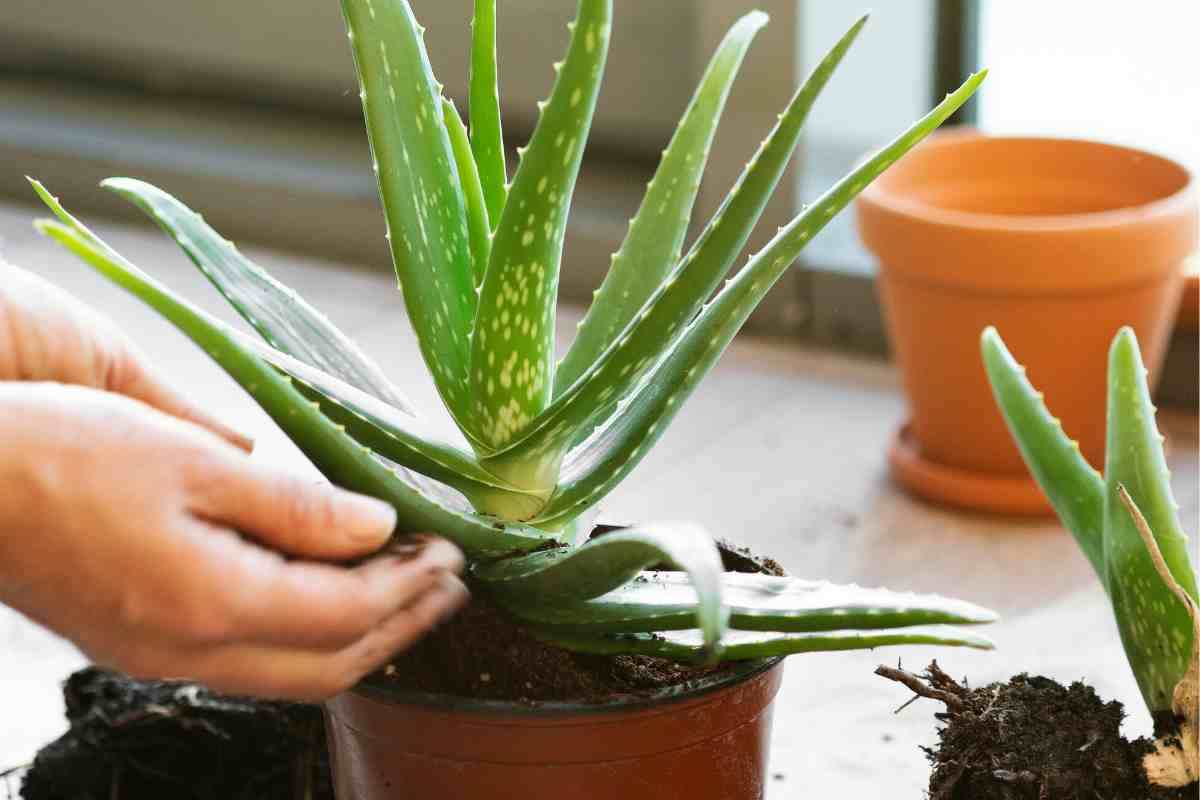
<point x="249" y="111"/>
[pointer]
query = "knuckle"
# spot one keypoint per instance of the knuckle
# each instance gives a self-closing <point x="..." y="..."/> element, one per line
<point x="308" y="509"/>
<point x="203" y="476"/>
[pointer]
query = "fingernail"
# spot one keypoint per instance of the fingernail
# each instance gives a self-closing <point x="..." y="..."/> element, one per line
<point x="459" y="597"/>
<point x="440" y="554"/>
<point x="376" y="519"/>
<point x="406" y="548"/>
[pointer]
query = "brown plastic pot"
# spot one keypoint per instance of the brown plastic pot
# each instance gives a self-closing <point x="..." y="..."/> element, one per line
<point x="1056" y="242"/>
<point x="706" y="742"/>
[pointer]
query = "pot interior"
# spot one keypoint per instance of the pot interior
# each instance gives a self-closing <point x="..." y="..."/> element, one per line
<point x="972" y="174"/>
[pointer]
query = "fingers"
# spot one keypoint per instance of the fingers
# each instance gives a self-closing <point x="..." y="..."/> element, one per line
<point x="289" y="513"/>
<point x="138" y="382"/>
<point x="269" y="600"/>
<point x="304" y="674"/>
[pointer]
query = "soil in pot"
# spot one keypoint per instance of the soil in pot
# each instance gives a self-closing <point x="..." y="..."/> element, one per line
<point x="1031" y="738"/>
<point x="150" y="740"/>
<point x="483" y="654"/>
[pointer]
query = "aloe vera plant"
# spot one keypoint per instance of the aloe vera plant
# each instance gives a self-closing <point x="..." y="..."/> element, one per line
<point x="1126" y="522"/>
<point x="478" y="259"/>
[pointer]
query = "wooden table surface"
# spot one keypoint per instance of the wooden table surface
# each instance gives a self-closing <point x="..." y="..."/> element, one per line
<point x="781" y="448"/>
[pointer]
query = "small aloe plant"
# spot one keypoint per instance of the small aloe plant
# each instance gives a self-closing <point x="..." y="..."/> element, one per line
<point x="478" y="260"/>
<point x="1126" y="522"/>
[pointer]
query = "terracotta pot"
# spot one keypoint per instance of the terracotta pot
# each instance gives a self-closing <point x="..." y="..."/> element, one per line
<point x="708" y="742"/>
<point x="1056" y="242"/>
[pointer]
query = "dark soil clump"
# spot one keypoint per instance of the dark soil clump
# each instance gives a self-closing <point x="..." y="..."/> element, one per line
<point x="150" y="740"/>
<point x="1031" y="739"/>
<point x="483" y="654"/>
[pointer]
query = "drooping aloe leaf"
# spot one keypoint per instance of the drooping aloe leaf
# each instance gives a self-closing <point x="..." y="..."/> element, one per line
<point x="1155" y="626"/>
<point x="1075" y="488"/>
<point x="344" y="461"/>
<point x="661" y="601"/>
<point x="512" y="355"/>
<point x="477" y="215"/>
<point x="419" y="186"/>
<point x="652" y="246"/>
<point x="570" y="575"/>
<point x="619" y="447"/>
<point x="487" y="140"/>
<point x="283" y="318"/>
<point x="663" y="317"/>
<point x="745" y="645"/>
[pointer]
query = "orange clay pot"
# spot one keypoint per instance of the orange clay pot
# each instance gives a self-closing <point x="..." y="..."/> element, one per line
<point x="708" y="742"/>
<point x="1056" y="242"/>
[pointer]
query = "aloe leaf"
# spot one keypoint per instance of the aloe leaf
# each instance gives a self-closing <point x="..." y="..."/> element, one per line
<point x="344" y="461"/>
<point x="418" y="183"/>
<point x="607" y="457"/>
<point x="396" y="436"/>
<point x="1075" y="488"/>
<point x="566" y="575"/>
<point x="1155" y="626"/>
<point x="661" y="601"/>
<point x="663" y="317"/>
<point x="280" y="316"/>
<point x="655" y="238"/>
<point x="284" y="319"/>
<point x="487" y="139"/>
<point x="513" y="348"/>
<point x="745" y="645"/>
<point x="477" y="215"/>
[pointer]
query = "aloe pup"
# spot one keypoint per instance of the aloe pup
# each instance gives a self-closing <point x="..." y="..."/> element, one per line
<point x="477" y="255"/>
<point x="1126" y="522"/>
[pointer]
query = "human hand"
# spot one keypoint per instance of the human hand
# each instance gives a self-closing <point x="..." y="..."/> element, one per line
<point x="119" y="530"/>
<point x="48" y="335"/>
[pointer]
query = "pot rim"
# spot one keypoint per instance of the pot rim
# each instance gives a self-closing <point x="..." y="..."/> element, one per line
<point x="899" y="203"/>
<point x="376" y="688"/>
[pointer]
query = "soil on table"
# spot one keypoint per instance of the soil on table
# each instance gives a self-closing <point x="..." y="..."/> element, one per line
<point x="1031" y="739"/>
<point x="481" y="653"/>
<point x="157" y="740"/>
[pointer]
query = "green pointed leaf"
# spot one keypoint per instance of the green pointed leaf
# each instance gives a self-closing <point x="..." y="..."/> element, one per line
<point x="396" y="436"/>
<point x="652" y="246"/>
<point x="419" y="185"/>
<point x="661" y="601"/>
<point x="554" y="577"/>
<point x="1074" y="487"/>
<point x="513" y="348"/>
<point x="341" y="459"/>
<point x="608" y="456"/>
<point x="477" y="215"/>
<point x="666" y="314"/>
<point x="744" y="645"/>
<point x="487" y="140"/>
<point x="1155" y="626"/>
<point x="284" y="319"/>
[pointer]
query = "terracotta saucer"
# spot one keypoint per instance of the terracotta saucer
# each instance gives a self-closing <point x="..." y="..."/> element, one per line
<point x="950" y="486"/>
